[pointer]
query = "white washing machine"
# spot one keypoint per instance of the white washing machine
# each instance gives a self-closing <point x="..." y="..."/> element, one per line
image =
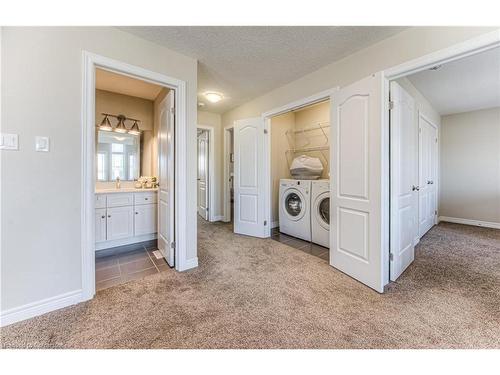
<point x="320" y="212"/>
<point x="295" y="208"/>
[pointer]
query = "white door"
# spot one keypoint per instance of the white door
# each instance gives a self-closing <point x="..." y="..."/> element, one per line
<point x="427" y="175"/>
<point x="249" y="172"/>
<point x="203" y="174"/>
<point x="100" y="224"/>
<point x="145" y="219"/>
<point x="120" y="223"/>
<point x="404" y="180"/>
<point x="356" y="181"/>
<point x="166" y="230"/>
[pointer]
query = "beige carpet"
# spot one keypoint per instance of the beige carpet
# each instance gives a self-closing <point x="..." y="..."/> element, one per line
<point x="253" y="293"/>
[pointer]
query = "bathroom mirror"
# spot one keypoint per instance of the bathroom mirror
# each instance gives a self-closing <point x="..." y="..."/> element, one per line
<point x="118" y="155"/>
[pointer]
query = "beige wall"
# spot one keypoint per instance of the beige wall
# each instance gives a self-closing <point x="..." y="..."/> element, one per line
<point x="214" y="121"/>
<point x="405" y="46"/>
<point x="470" y="165"/>
<point x="310" y="117"/>
<point x="281" y="141"/>
<point x="41" y="94"/>
<point x="138" y="108"/>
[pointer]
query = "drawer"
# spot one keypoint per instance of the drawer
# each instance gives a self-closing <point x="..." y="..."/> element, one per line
<point x="120" y="200"/>
<point x="100" y="201"/>
<point x="145" y="198"/>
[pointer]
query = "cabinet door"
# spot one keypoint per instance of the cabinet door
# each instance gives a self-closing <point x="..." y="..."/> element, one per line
<point x="120" y="223"/>
<point x="145" y="219"/>
<point x="100" y="225"/>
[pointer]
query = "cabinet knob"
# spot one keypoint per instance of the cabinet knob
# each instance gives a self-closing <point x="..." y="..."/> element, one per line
<point x="146" y="199"/>
<point x="109" y="215"/>
<point x="137" y="213"/>
<point x="103" y="216"/>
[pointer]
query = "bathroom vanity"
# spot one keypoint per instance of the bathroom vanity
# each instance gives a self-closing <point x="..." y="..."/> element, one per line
<point x="124" y="216"/>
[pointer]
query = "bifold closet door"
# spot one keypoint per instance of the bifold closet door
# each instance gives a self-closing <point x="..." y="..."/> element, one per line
<point x="404" y="180"/>
<point x="166" y="240"/>
<point x="249" y="177"/>
<point x="356" y="181"/>
<point x="427" y="174"/>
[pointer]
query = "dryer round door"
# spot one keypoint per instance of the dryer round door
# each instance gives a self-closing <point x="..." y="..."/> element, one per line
<point x="322" y="209"/>
<point x="293" y="204"/>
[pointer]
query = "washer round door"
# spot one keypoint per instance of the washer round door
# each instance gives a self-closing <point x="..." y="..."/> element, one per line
<point x="322" y="209"/>
<point x="294" y="204"/>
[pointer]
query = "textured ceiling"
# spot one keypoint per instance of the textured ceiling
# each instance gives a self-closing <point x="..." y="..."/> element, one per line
<point x="243" y="62"/>
<point x="464" y="85"/>
<point x="105" y="80"/>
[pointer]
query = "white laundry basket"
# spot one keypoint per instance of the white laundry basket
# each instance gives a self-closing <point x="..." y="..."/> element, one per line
<point x="306" y="168"/>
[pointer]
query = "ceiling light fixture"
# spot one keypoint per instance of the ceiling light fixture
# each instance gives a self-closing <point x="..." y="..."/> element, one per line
<point x="105" y="124"/>
<point x="213" y="97"/>
<point x="120" y="128"/>
<point x="134" y="130"/>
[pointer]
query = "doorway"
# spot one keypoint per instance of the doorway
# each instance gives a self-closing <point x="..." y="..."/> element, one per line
<point x="228" y="185"/>
<point x="455" y="104"/>
<point x="134" y="178"/>
<point x="169" y="200"/>
<point x="206" y="172"/>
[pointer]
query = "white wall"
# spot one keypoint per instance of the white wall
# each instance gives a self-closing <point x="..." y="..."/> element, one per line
<point x="470" y="165"/>
<point x="214" y="120"/>
<point x="40" y="192"/>
<point x="405" y="46"/>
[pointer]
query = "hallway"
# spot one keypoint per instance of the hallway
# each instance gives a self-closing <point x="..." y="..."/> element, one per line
<point x="259" y="293"/>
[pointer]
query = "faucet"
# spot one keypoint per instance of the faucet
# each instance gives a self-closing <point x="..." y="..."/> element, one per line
<point x="117" y="182"/>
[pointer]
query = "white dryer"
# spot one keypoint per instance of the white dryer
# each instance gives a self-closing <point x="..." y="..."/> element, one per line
<point x="295" y="208"/>
<point x="320" y="212"/>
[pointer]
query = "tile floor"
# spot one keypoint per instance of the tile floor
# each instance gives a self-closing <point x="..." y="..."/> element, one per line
<point x="308" y="247"/>
<point x="121" y="268"/>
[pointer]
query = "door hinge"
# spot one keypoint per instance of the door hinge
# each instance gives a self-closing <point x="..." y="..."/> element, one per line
<point x="435" y="212"/>
<point x="436" y="140"/>
<point x="265" y="222"/>
<point x="391" y="256"/>
<point x="265" y="131"/>
<point x="172" y="245"/>
<point x="391" y="105"/>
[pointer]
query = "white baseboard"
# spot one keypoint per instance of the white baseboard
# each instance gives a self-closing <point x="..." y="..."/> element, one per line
<point x="477" y="223"/>
<point x="124" y="241"/>
<point x="41" y="307"/>
<point x="190" y="263"/>
<point x="218" y="218"/>
<point x="275" y="224"/>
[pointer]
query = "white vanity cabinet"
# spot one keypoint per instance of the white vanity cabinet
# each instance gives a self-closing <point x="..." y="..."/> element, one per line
<point x="100" y="225"/>
<point x="124" y="218"/>
<point x="119" y="223"/>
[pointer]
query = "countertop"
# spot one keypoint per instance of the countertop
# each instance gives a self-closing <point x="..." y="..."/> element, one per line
<point x="124" y="190"/>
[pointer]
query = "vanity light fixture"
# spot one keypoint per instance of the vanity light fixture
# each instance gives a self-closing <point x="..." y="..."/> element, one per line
<point x="213" y="97"/>
<point x="105" y="124"/>
<point x="120" y="128"/>
<point x="134" y="130"/>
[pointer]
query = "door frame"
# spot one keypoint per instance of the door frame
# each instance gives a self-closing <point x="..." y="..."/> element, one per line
<point x="226" y="204"/>
<point x="211" y="172"/>
<point x="91" y="61"/>
<point x="267" y="117"/>
<point x="458" y="51"/>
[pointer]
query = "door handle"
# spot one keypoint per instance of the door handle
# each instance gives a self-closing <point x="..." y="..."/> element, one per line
<point x="413" y="188"/>
<point x="430" y="182"/>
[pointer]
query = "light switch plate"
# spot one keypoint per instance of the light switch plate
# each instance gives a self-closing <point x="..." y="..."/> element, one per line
<point x="42" y="144"/>
<point x="9" y="141"/>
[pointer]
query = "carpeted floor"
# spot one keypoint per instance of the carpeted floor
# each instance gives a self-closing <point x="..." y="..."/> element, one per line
<point x="254" y="293"/>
